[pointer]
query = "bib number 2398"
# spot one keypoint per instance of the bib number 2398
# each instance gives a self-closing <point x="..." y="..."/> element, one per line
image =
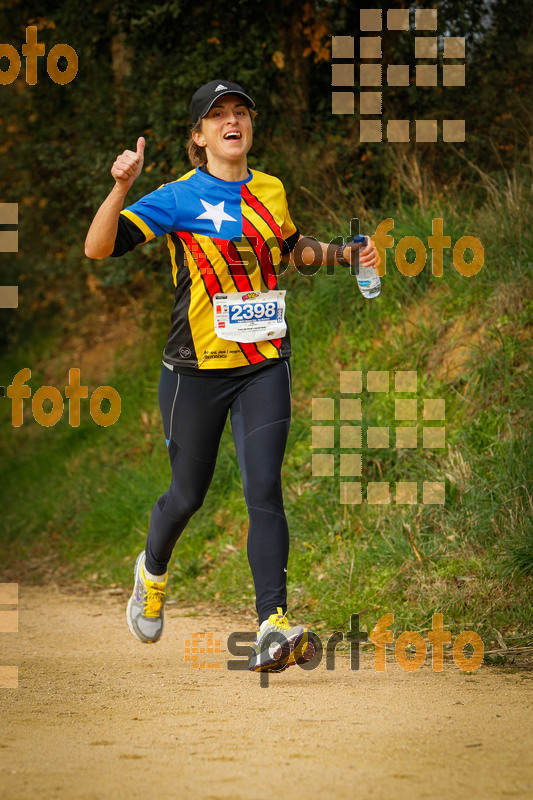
<point x="255" y="311"/>
<point x="250" y="316"/>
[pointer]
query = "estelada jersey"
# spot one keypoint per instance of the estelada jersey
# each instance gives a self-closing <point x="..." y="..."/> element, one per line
<point x="223" y="236"/>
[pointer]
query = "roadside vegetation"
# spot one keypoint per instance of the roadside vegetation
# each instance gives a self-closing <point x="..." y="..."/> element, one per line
<point x="76" y="500"/>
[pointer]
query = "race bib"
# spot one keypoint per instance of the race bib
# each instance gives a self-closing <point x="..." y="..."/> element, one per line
<point x="250" y="316"/>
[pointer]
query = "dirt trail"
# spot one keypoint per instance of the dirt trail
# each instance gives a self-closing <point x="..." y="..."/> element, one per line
<point x="98" y="715"/>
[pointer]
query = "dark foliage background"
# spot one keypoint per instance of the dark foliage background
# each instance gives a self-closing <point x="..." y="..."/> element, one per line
<point x="469" y="339"/>
<point x="139" y="65"/>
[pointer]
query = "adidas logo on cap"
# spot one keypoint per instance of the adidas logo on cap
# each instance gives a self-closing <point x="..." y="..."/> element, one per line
<point x="219" y="87"/>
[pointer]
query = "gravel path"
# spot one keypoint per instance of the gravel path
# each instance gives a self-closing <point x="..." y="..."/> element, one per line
<point x="97" y="714"/>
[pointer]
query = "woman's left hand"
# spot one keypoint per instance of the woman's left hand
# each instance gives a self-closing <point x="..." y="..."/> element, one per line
<point x="369" y="256"/>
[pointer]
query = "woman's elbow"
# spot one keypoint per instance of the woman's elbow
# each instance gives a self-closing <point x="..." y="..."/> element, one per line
<point x="94" y="253"/>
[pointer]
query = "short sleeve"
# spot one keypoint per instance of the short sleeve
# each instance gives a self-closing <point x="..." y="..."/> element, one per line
<point x="155" y="213"/>
<point x="128" y="236"/>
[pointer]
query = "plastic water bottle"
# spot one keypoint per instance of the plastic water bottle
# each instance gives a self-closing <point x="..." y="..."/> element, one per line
<point x="369" y="283"/>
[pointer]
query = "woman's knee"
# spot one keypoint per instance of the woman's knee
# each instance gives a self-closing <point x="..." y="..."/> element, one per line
<point x="181" y="505"/>
<point x="264" y="491"/>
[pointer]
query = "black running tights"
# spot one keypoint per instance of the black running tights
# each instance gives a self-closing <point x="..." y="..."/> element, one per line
<point x="194" y="411"/>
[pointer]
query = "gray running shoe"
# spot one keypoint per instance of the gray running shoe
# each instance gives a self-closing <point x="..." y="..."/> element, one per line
<point x="277" y="645"/>
<point x="145" y="606"/>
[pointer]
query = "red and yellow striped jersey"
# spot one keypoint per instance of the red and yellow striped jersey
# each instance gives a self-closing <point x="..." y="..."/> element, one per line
<point x="223" y="237"/>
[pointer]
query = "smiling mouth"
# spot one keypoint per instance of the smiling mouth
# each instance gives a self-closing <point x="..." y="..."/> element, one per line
<point x="235" y="135"/>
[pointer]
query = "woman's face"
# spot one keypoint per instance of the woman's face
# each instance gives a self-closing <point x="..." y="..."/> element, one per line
<point x="226" y="130"/>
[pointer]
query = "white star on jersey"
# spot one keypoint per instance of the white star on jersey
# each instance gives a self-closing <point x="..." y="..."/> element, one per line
<point x="216" y="214"/>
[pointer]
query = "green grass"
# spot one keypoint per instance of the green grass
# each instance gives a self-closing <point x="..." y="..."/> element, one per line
<point x="84" y="495"/>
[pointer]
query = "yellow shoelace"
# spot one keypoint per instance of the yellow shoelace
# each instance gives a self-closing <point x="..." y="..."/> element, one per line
<point x="279" y="620"/>
<point x="153" y="601"/>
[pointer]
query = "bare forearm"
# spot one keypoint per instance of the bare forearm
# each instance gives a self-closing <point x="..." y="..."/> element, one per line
<point x="310" y="252"/>
<point x="100" y="240"/>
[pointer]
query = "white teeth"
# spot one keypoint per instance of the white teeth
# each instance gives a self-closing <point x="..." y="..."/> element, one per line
<point x="232" y="135"/>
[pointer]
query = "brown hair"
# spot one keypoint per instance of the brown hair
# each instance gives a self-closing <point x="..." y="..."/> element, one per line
<point x="197" y="155"/>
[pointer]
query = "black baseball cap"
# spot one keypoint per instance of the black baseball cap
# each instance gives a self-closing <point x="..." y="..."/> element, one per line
<point x="205" y="96"/>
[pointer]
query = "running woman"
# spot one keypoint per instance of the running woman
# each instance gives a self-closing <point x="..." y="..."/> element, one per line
<point x="227" y="228"/>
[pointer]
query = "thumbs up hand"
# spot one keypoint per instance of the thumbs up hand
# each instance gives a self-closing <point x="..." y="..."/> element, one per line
<point x="128" y="165"/>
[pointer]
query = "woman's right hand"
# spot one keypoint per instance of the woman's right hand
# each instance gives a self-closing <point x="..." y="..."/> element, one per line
<point x="102" y="234"/>
<point x="128" y="165"/>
